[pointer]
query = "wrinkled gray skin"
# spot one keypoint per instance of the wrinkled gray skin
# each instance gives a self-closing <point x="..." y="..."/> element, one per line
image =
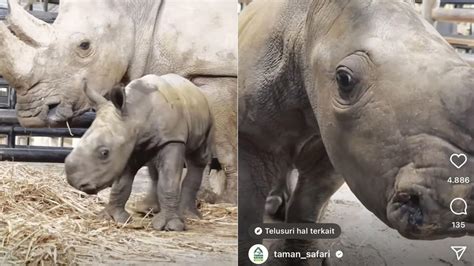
<point x="388" y="133"/>
<point x="112" y="41"/>
<point x="162" y="121"/>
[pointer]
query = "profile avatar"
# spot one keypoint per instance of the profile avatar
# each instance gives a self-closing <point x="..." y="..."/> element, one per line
<point x="258" y="255"/>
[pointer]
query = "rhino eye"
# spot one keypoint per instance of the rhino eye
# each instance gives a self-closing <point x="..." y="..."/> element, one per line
<point x="345" y="81"/>
<point x="103" y="153"/>
<point x="85" y="45"/>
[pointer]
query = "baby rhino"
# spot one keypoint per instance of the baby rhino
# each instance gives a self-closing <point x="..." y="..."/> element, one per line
<point x="161" y="121"/>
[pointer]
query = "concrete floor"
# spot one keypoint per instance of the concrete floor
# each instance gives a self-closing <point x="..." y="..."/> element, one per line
<point x="365" y="240"/>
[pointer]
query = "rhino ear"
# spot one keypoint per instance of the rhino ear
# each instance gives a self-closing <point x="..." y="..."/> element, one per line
<point x="117" y="96"/>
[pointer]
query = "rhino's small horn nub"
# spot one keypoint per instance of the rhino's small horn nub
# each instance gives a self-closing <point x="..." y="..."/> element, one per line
<point x="28" y="28"/>
<point x="95" y="98"/>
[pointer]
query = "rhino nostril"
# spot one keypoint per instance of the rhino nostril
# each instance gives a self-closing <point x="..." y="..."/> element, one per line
<point x="402" y="197"/>
<point x="52" y="107"/>
<point x="53" y="114"/>
<point x="411" y="204"/>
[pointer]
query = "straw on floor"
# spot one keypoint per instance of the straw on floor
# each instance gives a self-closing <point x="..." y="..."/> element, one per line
<point x="44" y="220"/>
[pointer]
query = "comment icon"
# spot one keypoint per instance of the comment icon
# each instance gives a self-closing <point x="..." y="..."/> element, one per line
<point x="458" y="206"/>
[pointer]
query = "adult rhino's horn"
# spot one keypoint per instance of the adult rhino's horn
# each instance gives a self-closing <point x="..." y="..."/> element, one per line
<point x="16" y="59"/>
<point x="28" y="28"/>
<point x="94" y="97"/>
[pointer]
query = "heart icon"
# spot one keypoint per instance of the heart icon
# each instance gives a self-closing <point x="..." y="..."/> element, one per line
<point x="458" y="160"/>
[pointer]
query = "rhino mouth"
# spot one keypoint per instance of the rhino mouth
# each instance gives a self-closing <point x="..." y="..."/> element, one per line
<point x="39" y="106"/>
<point x="417" y="214"/>
<point x="58" y="113"/>
<point x="407" y="215"/>
<point x="52" y="112"/>
<point x="45" y="115"/>
<point x="91" y="189"/>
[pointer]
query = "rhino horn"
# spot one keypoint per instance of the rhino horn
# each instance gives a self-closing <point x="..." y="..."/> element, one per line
<point x="28" y="28"/>
<point x="16" y="59"/>
<point x="94" y="97"/>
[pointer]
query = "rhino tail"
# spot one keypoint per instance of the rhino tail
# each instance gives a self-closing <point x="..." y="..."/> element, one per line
<point x="211" y="149"/>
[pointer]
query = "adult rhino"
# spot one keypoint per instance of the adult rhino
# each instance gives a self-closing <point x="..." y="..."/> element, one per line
<point x="364" y="89"/>
<point x="112" y="41"/>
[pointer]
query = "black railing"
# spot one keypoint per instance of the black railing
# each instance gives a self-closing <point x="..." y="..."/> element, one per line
<point x="11" y="129"/>
<point x="453" y="2"/>
<point x="457" y="2"/>
<point x="48" y="17"/>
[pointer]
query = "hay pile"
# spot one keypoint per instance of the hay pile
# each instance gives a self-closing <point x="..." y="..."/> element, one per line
<point x="44" y="220"/>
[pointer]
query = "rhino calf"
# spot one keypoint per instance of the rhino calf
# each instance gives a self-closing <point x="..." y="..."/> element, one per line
<point x="162" y="121"/>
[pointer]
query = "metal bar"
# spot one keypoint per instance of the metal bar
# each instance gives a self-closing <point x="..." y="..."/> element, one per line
<point x="48" y="17"/>
<point x="453" y="15"/>
<point x="8" y="117"/>
<point x="460" y="41"/>
<point x="11" y="138"/>
<point x="457" y="2"/>
<point x="83" y="121"/>
<point x="427" y="9"/>
<point x="36" y="154"/>
<point x="468" y="58"/>
<point x="45" y="132"/>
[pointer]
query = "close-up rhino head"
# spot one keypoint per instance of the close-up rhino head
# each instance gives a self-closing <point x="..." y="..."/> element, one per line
<point x="393" y="101"/>
<point x="103" y="151"/>
<point x="46" y="63"/>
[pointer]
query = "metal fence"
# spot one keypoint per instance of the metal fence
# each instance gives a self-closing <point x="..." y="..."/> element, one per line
<point x="435" y="11"/>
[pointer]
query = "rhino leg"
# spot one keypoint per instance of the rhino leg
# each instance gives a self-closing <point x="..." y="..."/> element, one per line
<point x="169" y="162"/>
<point x="253" y="190"/>
<point x="119" y="195"/>
<point x="276" y="202"/>
<point x="190" y="187"/>
<point x="150" y="202"/>
<point x="226" y="155"/>
<point x="317" y="182"/>
<point x="196" y="163"/>
<point x="221" y="94"/>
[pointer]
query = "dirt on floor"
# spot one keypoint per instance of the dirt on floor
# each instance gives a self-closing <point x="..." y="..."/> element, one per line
<point x="43" y="220"/>
<point x="365" y="240"/>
